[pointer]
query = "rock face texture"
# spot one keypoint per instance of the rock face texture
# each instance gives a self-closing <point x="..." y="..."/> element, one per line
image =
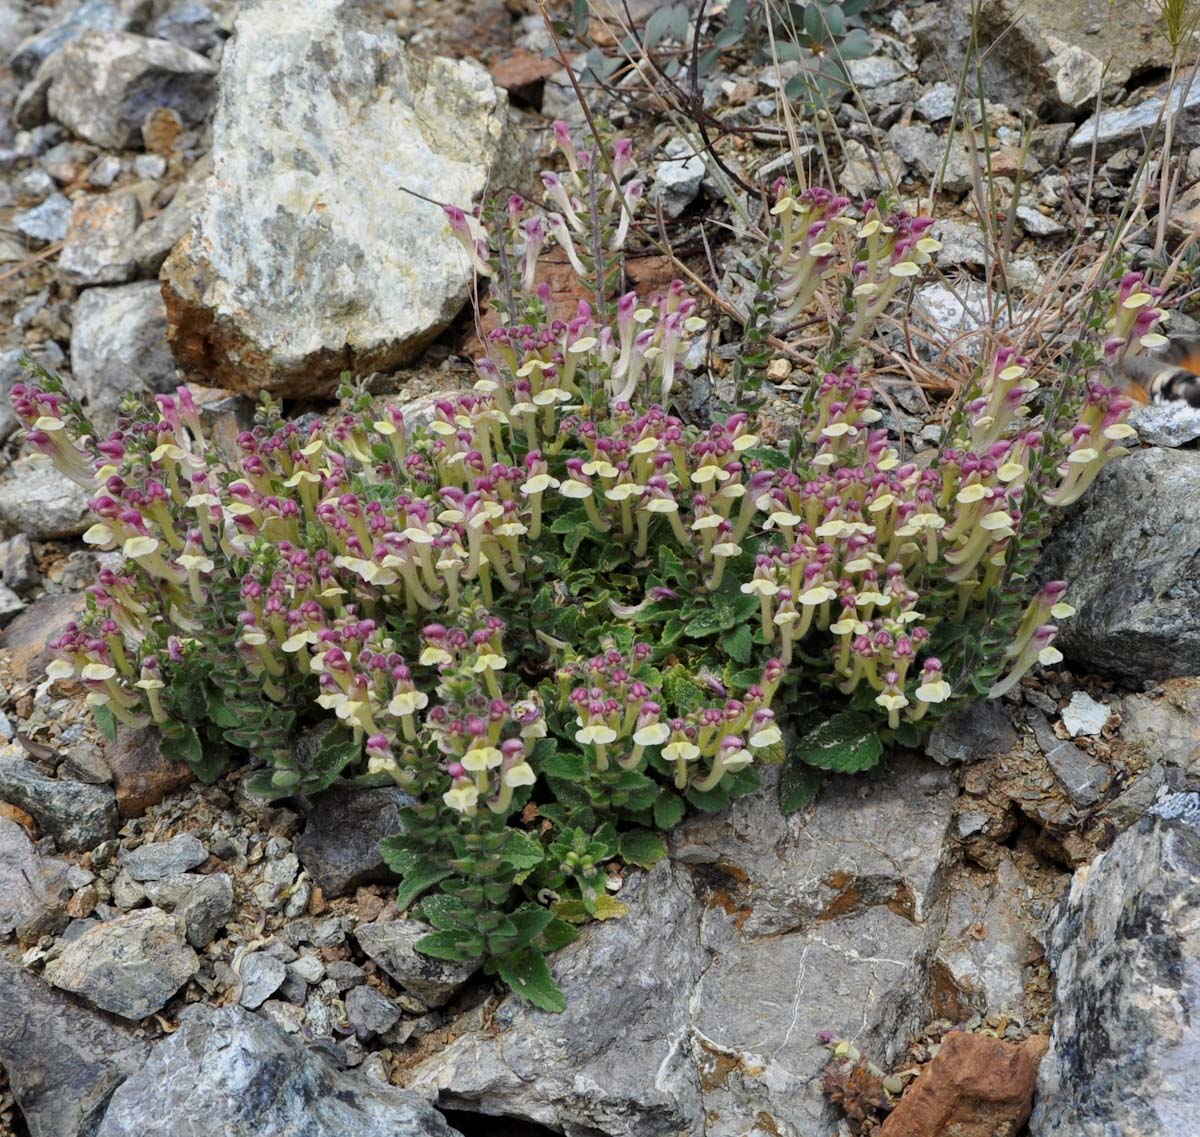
<point x="33" y="888"/>
<point x="63" y="1059"/>
<point x="1126" y="954"/>
<point x="227" y="1073"/>
<point x="1131" y="550"/>
<point x="760" y="932"/>
<point x="308" y="258"/>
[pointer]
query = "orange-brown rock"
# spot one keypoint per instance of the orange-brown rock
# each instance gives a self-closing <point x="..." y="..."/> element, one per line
<point x="523" y="75"/>
<point x="977" y="1086"/>
<point x="26" y="637"/>
<point x="142" y="776"/>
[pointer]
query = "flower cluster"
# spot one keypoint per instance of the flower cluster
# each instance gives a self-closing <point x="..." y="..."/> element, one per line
<point x="817" y="238"/>
<point x="1132" y="323"/>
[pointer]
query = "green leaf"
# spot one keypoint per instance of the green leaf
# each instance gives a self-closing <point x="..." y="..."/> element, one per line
<point x="710" y="801"/>
<point x="681" y="693"/>
<point x="219" y="712"/>
<point x="739" y="644"/>
<point x="106" y="721"/>
<point x="530" y="921"/>
<point x="562" y="764"/>
<point x="557" y="934"/>
<point x="846" y="743"/>
<point x="521" y="852"/>
<point x="528" y="975"/>
<point x="798" y="785"/>
<point x="856" y="45"/>
<point x="322" y="763"/>
<point x="642" y="847"/>
<point x="668" y="809"/>
<point x="418" y="873"/>
<point x="446" y="945"/>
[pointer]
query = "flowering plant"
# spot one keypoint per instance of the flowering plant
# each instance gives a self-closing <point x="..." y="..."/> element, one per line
<point x="559" y="614"/>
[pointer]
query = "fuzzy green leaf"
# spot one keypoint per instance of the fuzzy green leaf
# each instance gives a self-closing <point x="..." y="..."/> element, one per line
<point x="521" y="852"/>
<point x="668" y="809"/>
<point x="846" y="743"/>
<point x="528" y="975"/>
<point x="106" y="721"/>
<point x="642" y="847"/>
<point x="446" y="945"/>
<point x="418" y="873"/>
<point x="739" y="644"/>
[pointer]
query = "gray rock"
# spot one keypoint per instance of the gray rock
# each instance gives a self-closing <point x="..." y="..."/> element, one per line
<point x="1126" y="1040"/>
<point x="339" y="847"/>
<point x="867" y="841"/>
<point x="963" y="244"/>
<point x="98" y="243"/>
<point x="33" y="185"/>
<point x="1130" y="549"/>
<point x="11" y="605"/>
<point x="119" y="345"/>
<point x="370" y="1012"/>
<point x="228" y="1073"/>
<point x="1166" y="727"/>
<point x="105" y="171"/>
<point x="76" y="815"/>
<point x="918" y="147"/>
<point x="987" y="944"/>
<point x="283" y="1016"/>
<point x="102" y="14"/>
<point x="1134" y="802"/>
<point x="18" y="569"/>
<point x="130" y="965"/>
<point x="937" y="104"/>
<point x="306" y="241"/>
<point x="35" y="499"/>
<point x="34" y="890"/>
<point x="874" y="71"/>
<point x="63" y="1060"/>
<point x="1166" y="424"/>
<point x="1036" y="223"/>
<point x="391" y="945"/>
<point x="866" y="174"/>
<point x="158" y="859"/>
<point x="343" y="974"/>
<point x="204" y="903"/>
<point x="1033" y="53"/>
<point x="1111" y="130"/>
<point x="972" y="735"/>
<point x="157" y="237"/>
<point x="1083" y="778"/>
<point x="753" y="937"/>
<point x="677" y="180"/>
<point x="67" y="161"/>
<point x="126" y="892"/>
<point x="261" y="977"/>
<point x="149" y="167"/>
<point x="109" y="81"/>
<point x="16" y="24"/>
<point x="45" y="222"/>
<point x="1083" y="715"/>
<point x="618" y="1060"/>
<point x="191" y="25"/>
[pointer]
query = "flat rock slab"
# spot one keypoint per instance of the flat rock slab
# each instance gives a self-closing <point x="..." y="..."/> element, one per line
<point x="700" y="1008"/>
<point x="228" y="1073"/>
<point x="392" y="945"/>
<point x="1130" y="549"/>
<point x="63" y="1059"/>
<point x="158" y="859"/>
<point x="308" y="258"/>
<point x="35" y="499"/>
<point x="130" y="966"/>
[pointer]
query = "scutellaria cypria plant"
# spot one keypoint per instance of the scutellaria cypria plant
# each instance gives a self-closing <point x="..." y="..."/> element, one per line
<point x="557" y="613"/>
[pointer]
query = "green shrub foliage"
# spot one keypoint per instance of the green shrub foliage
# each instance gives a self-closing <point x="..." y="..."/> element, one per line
<point x="558" y="614"/>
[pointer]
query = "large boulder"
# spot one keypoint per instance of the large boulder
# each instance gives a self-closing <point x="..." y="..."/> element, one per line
<point x="228" y="1073"/>
<point x="1131" y="552"/>
<point x="1050" y="55"/>
<point x="707" y="998"/>
<point x="1125" y="950"/>
<point x="63" y="1060"/>
<point x="309" y="255"/>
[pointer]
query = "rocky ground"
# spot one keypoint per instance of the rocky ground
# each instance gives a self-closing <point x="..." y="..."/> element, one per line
<point x="1032" y="880"/>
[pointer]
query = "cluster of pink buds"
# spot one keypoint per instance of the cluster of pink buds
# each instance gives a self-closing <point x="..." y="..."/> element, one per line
<point x="50" y="426"/>
<point x="808" y="251"/>
<point x="93" y="652"/>
<point x="1132" y="324"/>
<point x="1034" y="641"/>
<point x="1093" y="441"/>
<point x="891" y="250"/>
<point x="705" y="745"/>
